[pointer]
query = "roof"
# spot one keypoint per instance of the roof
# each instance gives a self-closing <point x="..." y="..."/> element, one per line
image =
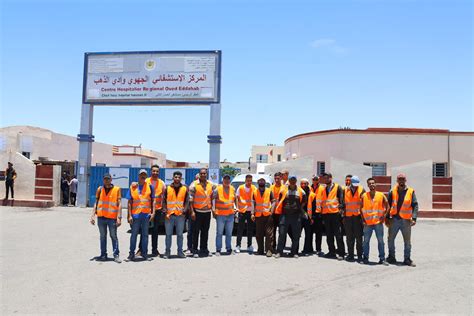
<point x="380" y="130"/>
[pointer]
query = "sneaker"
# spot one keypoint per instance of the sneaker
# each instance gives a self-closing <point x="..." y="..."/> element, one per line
<point x="166" y="255"/>
<point x="277" y="255"/>
<point x="181" y="255"/>
<point x="359" y="260"/>
<point x="250" y="249"/>
<point x="340" y="258"/>
<point x="366" y="261"/>
<point x="130" y="257"/>
<point x="147" y="258"/>
<point x="237" y="249"/>
<point x="218" y="254"/>
<point x="330" y="255"/>
<point x="383" y="262"/>
<point x="350" y="258"/>
<point x="195" y="255"/>
<point x="188" y="252"/>
<point x="409" y="263"/>
<point x="269" y="254"/>
<point x="320" y="253"/>
<point x="295" y="256"/>
<point x="391" y="260"/>
<point x="117" y="259"/>
<point x="155" y="253"/>
<point x="260" y="253"/>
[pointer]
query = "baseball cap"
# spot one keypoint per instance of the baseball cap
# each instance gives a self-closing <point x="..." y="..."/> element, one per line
<point x="107" y="175"/>
<point x="143" y="171"/>
<point x="401" y="176"/>
<point x="292" y="177"/>
<point x="355" y="181"/>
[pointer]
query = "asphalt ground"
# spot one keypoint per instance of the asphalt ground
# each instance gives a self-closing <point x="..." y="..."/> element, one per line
<point x="46" y="269"/>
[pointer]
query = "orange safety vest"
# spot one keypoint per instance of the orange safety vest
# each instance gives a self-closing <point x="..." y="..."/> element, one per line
<point x="262" y="203"/>
<point x="406" y="210"/>
<point x="317" y="196"/>
<point x="108" y="204"/>
<point x="158" y="192"/>
<point x="330" y="203"/>
<point x="373" y="211"/>
<point x="175" y="204"/>
<point x="224" y="201"/>
<point x="353" y="202"/>
<point x="202" y="197"/>
<point x="245" y="198"/>
<point x="276" y="193"/>
<point x="284" y="194"/>
<point x="141" y="201"/>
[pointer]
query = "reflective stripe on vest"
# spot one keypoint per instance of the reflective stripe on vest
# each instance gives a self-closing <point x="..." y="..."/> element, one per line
<point x="175" y="203"/>
<point x="353" y="202"/>
<point x="284" y="193"/>
<point x="158" y="192"/>
<point x="225" y="201"/>
<point x="406" y="210"/>
<point x="262" y="203"/>
<point x="202" y="198"/>
<point x="330" y="203"/>
<point x="276" y="194"/>
<point x="107" y="205"/>
<point x="245" y="198"/>
<point x="373" y="211"/>
<point x="141" y="201"/>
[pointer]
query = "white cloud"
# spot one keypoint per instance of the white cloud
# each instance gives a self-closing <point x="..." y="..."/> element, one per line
<point x="328" y="44"/>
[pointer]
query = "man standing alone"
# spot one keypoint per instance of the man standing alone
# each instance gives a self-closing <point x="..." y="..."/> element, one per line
<point x="10" y="176"/>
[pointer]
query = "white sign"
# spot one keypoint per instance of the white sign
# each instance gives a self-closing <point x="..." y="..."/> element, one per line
<point x="214" y="175"/>
<point x="120" y="177"/>
<point x="152" y="77"/>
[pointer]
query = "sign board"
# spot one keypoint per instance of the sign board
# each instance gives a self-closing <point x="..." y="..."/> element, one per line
<point x="120" y="177"/>
<point x="141" y="78"/>
<point x="169" y="175"/>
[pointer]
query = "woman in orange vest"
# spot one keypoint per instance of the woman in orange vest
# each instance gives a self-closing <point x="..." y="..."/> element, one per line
<point x="108" y="208"/>
<point x="374" y="209"/>
<point x="264" y="204"/>
<point x="223" y="209"/>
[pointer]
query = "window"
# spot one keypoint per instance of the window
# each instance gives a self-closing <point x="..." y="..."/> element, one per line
<point x="26" y="154"/>
<point x="262" y="158"/>
<point x="279" y="157"/>
<point x="440" y="170"/>
<point x="321" y="166"/>
<point x="378" y="168"/>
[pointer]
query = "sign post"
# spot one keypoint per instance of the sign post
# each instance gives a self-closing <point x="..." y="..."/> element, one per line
<point x="166" y="78"/>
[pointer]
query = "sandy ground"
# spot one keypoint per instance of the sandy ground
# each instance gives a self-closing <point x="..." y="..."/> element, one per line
<point x="46" y="269"/>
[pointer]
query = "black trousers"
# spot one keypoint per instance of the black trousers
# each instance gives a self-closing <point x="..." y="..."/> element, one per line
<point x="73" y="198"/>
<point x="332" y="224"/>
<point x="245" y="221"/>
<point x="9" y="187"/>
<point x="189" y="238"/>
<point x="308" y="235"/>
<point x="318" y="229"/>
<point x="201" y="232"/>
<point x="264" y="225"/>
<point x="286" y="221"/>
<point x="158" y="219"/>
<point x="354" y="231"/>
<point x="66" y="197"/>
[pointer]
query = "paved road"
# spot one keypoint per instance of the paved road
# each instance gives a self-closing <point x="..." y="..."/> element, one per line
<point x="45" y="269"/>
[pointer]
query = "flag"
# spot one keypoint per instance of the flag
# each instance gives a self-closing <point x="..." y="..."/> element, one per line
<point x="271" y="152"/>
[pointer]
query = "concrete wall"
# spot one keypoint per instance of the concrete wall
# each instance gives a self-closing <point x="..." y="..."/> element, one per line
<point x="301" y="168"/>
<point x="341" y="168"/>
<point x="463" y="184"/>
<point x="24" y="184"/>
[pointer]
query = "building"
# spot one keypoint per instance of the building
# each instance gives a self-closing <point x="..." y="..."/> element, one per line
<point x="439" y="163"/>
<point x="262" y="156"/>
<point x="43" y="145"/>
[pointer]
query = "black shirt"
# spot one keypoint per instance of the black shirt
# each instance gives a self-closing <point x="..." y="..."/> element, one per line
<point x="9" y="173"/>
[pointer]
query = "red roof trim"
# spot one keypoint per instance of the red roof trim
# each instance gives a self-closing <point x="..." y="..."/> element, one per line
<point x="129" y="154"/>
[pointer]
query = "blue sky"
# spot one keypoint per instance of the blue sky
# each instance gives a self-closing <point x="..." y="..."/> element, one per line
<point x="288" y="67"/>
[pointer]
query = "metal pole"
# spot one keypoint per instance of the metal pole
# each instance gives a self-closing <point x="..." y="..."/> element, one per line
<point x="214" y="139"/>
<point x="85" y="139"/>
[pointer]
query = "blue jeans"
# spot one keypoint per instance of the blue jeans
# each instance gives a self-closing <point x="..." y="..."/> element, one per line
<point x="403" y="225"/>
<point x="224" y="222"/>
<point x="103" y="223"/>
<point x="140" y="224"/>
<point x="178" y="222"/>
<point x="368" y="229"/>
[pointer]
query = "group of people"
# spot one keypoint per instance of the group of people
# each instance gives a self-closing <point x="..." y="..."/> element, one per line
<point x="284" y="207"/>
<point x="69" y="189"/>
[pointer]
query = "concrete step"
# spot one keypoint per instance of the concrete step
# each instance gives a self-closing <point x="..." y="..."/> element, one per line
<point x="28" y="203"/>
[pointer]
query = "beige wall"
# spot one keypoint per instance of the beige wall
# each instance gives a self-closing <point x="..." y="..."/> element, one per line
<point x="393" y="149"/>
<point x="45" y="143"/>
<point x="265" y="150"/>
<point x="26" y="174"/>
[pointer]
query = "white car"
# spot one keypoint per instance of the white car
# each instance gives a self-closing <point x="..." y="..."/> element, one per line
<point x="240" y="179"/>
